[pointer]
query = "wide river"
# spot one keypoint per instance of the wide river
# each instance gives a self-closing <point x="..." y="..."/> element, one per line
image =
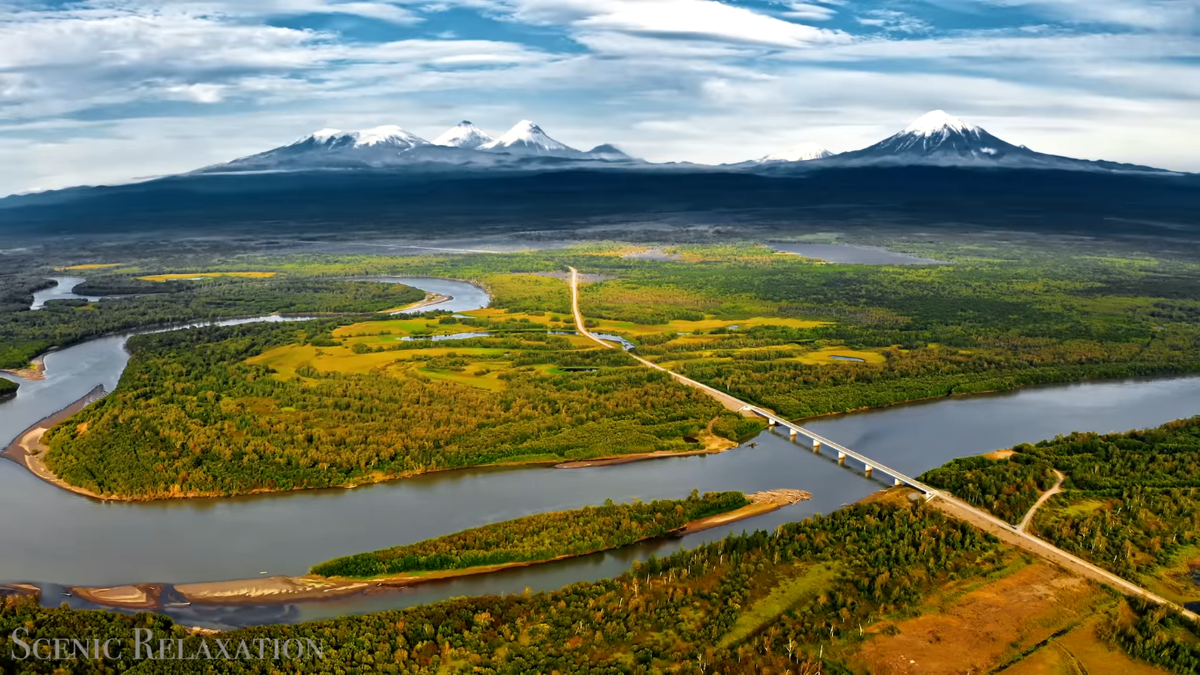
<point x="50" y="536"/>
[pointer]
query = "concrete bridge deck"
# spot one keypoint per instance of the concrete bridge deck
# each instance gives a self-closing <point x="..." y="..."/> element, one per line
<point x="869" y="464"/>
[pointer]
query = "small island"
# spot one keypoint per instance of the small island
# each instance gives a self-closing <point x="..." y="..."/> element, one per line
<point x="542" y="537"/>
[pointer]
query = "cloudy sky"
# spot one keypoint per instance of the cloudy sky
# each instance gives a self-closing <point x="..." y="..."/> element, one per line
<point x="96" y="91"/>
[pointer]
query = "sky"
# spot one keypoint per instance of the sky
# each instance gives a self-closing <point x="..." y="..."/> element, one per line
<point x="106" y="91"/>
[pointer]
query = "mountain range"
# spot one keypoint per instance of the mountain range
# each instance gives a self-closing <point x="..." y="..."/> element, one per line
<point x="936" y="138"/>
<point x="939" y="169"/>
<point x="465" y="145"/>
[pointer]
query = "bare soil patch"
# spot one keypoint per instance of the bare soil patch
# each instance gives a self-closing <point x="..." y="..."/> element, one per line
<point x="985" y="627"/>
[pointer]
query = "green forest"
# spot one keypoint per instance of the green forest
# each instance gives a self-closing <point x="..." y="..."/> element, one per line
<point x="24" y="334"/>
<point x="7" y="388"/>
<point x="709" y="609"/>
<point x="1132" y="500"/>
<point x="542" y="536"/>
<point x="191" y="415"/>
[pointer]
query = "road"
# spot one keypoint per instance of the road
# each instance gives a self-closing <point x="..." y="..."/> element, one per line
<point x="1042" y="500"/>
<point x="944" y="502"/>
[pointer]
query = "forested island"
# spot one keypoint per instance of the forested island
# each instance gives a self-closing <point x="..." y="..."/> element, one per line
<point x="8" y="389"/>
<point x="540" y="537"/>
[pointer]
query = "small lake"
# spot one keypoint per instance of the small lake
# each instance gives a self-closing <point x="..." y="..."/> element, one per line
<point x="62" y="290"/>
<point x="854" y="255"/>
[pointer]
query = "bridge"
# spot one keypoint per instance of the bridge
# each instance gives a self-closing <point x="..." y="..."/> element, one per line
<point x="870" y="466"/>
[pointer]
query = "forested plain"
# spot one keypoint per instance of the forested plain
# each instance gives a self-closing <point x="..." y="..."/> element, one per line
<point x="24" y="333"/>
<point x="195" y="415"/>
<point x="538" y="537"/>
<point x="803" y="599"/>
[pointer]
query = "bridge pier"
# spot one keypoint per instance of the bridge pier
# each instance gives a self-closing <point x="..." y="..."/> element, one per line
<point x="816" y="445"/>
<point x="793" y="432"/>
<point x="898" y="482"/>
<point x="867" y="470"/>
<point x="841" y="458"/>
<point x="770" y="422"/>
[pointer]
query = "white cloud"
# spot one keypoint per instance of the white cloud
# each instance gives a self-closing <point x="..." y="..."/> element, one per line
<point x="807" y="11"/>
<point x="1181" y="16"/>
<point x="705" y="19"/>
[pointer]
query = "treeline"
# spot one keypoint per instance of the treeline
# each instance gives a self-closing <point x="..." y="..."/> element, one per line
<point x="24" y="334"/>
<point x="542" y="536"/>
<point x="705" y="610"/>
<point x="797" y="390"/>
<point x="1157" y="635"/>
<point x="191" y="417"/>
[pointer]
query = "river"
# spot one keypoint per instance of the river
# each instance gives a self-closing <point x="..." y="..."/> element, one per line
<point x="63" y="289"/>
<point x="51" y="536"/>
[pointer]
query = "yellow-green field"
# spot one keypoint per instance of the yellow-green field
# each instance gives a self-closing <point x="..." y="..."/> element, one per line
<point x="288" y="358"/>
<point x="825" y="356"/>
<point x="207" y="275"/>
<point x="90" y="266"/>
<point x="811" y="580"/>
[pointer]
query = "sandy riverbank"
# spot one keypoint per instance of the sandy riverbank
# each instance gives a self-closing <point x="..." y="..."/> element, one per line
<point x="141" y="596"/>
<point x="430" y="300"/>
<point x="29" y="451"/>
<point x="19" y="591"/>
<point x="283" y="589"/>
<point x="35" y="371"/>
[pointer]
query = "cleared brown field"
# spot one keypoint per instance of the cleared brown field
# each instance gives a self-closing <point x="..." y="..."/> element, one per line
<point x="983" y="628"/>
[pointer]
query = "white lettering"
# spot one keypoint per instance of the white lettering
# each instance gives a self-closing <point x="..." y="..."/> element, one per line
<point x="242" y="647"/>
<point x="141" y="638"/>
<point x="315" y="649"/>
<point x="203" y="648"/>
<point x="107" y="654"/>
<point x="18" y="642"/>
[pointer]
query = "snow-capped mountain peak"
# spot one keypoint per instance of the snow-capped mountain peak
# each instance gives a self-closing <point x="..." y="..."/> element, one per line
<point x="798" y="153"/>
<point x="938" y="122"/>
<point x="464" y="135"/>
<point x="528" y="138"/>
<point x="387" y="135"/>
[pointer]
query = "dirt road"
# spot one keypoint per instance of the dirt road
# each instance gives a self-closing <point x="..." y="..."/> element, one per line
<point x="1042" y="500"/>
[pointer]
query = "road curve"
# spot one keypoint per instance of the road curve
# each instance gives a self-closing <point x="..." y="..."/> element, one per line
<point x="1041" y="500"/>
<point x="944" y="502"/>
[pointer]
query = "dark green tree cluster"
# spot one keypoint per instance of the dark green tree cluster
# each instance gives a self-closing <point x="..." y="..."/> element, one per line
<point x="1156" y="635"/>
<point x="542" y="536"/>
<point x="8" y="389"/>
<point x="1006" y="487"/>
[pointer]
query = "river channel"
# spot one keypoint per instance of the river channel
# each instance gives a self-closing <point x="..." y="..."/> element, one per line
<point x="50" y="536"/>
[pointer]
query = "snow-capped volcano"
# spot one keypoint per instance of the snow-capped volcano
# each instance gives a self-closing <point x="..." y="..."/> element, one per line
<point x="464" y="135"/>
<point x="527" y="138"/>
<point x="388" y="135"/>
<point x="940" y="139"/>
<point x="803" y="152"/>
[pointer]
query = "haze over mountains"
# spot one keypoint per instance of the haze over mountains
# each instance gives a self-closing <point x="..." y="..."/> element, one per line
<point x="939" y="169"/>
